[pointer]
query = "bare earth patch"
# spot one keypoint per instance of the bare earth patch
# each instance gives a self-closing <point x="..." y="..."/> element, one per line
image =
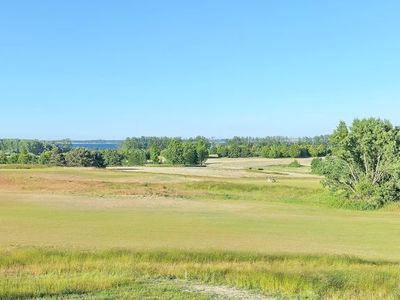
<point x="227" y="292"/>
<point x="218" y="291"/>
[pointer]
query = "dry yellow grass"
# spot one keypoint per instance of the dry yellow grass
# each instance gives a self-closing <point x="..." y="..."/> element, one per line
<point x="88" y="208"/>
<point x="224" y="207"/>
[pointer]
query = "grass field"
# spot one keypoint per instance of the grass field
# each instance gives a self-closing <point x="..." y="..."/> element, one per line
<point x="221" y="231"/>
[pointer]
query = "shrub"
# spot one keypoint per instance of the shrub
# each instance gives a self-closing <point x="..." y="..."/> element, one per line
<point x="294" y="164"/>
<point x="317" y="166"/>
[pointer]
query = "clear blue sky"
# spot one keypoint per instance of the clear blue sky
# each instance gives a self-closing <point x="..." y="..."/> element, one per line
<point x="111" y="69"/>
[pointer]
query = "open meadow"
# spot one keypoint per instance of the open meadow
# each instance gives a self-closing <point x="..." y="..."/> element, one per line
<point x="224" y="231"/>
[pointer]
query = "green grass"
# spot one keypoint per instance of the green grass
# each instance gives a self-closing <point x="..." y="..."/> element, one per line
<point x="60" y="229"/>
<point x="28" y="273"/>
<point x="269" y="226"/>
<point x="281" y="170"/>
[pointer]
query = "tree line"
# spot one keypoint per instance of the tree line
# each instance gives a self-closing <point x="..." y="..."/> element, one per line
<point x="34" y="147"/>
<point x="133" y="151"/>
<point x="272" y="147"/>
<point x="157" y="150"/>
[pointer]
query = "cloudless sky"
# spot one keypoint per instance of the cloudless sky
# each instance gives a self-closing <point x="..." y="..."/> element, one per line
<point x="218" y="68"/>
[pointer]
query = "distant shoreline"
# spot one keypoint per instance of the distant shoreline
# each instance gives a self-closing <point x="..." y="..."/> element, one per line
<point x="96" y="144"/>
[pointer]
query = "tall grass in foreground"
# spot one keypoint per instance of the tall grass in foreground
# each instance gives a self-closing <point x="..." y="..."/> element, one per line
<point x="34" y="272"/>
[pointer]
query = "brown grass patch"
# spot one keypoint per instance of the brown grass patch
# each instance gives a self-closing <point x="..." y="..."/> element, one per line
<point x="81" y="186"/>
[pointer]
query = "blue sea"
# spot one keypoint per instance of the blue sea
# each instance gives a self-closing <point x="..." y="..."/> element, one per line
<point x="97" y="146"/>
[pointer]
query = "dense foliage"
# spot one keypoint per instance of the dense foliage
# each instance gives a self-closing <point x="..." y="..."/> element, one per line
<point x="191" y="152"/>
<point x="273" y="147"/>
<point x="365" y="162"/>
<point x="157" y="150"/>
<point x="32" y="146"/>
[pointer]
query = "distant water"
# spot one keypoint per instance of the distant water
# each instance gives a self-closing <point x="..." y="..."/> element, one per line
<point x="98" y="146"/>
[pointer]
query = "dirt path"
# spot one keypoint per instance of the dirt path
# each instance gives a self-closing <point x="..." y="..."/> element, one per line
<point x="217" y="291"/>
<point x="225" y="292"/>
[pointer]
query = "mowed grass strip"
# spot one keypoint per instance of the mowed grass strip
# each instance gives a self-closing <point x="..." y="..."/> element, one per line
<point x="34" y="272"/>
<point x="151" y="223"/>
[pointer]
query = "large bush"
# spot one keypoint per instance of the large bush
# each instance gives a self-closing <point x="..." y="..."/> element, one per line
<point x="365" y="164"/>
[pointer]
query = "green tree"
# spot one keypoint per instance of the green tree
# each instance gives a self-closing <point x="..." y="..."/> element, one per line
<point x="135" y="157"/>
<point x="129" y="144"/>
<point x="154" y="154"/>
<point x="275" y="152"/>
<point x="35" y="147"/>
<point x="316" y="150"/>
<point x="264" y="152"/>
<point x="213" y="150"/>
<point x="81" y="157"/>
<point x="57" y="157"/>
<point x="174" y="152"/>
<point x="13" y="158"/>
<point x="202" y="152"/>
<point x="45" y="158"/>
<point x="246" y="151"/>
<point x="189" y="154"/>
<point x="112" y="157"/>
<point x="365" y="162"/>
<point x="23" y="157"/>
<point x="294" y="151"/>
<point x="3" y="158"/>
<point x="98" y="160"/>
<point x="234" y="150"/>
<point x="222" y="151"/>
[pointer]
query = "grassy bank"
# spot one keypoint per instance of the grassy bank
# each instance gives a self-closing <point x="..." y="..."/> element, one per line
<point x="32" y="272"/>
